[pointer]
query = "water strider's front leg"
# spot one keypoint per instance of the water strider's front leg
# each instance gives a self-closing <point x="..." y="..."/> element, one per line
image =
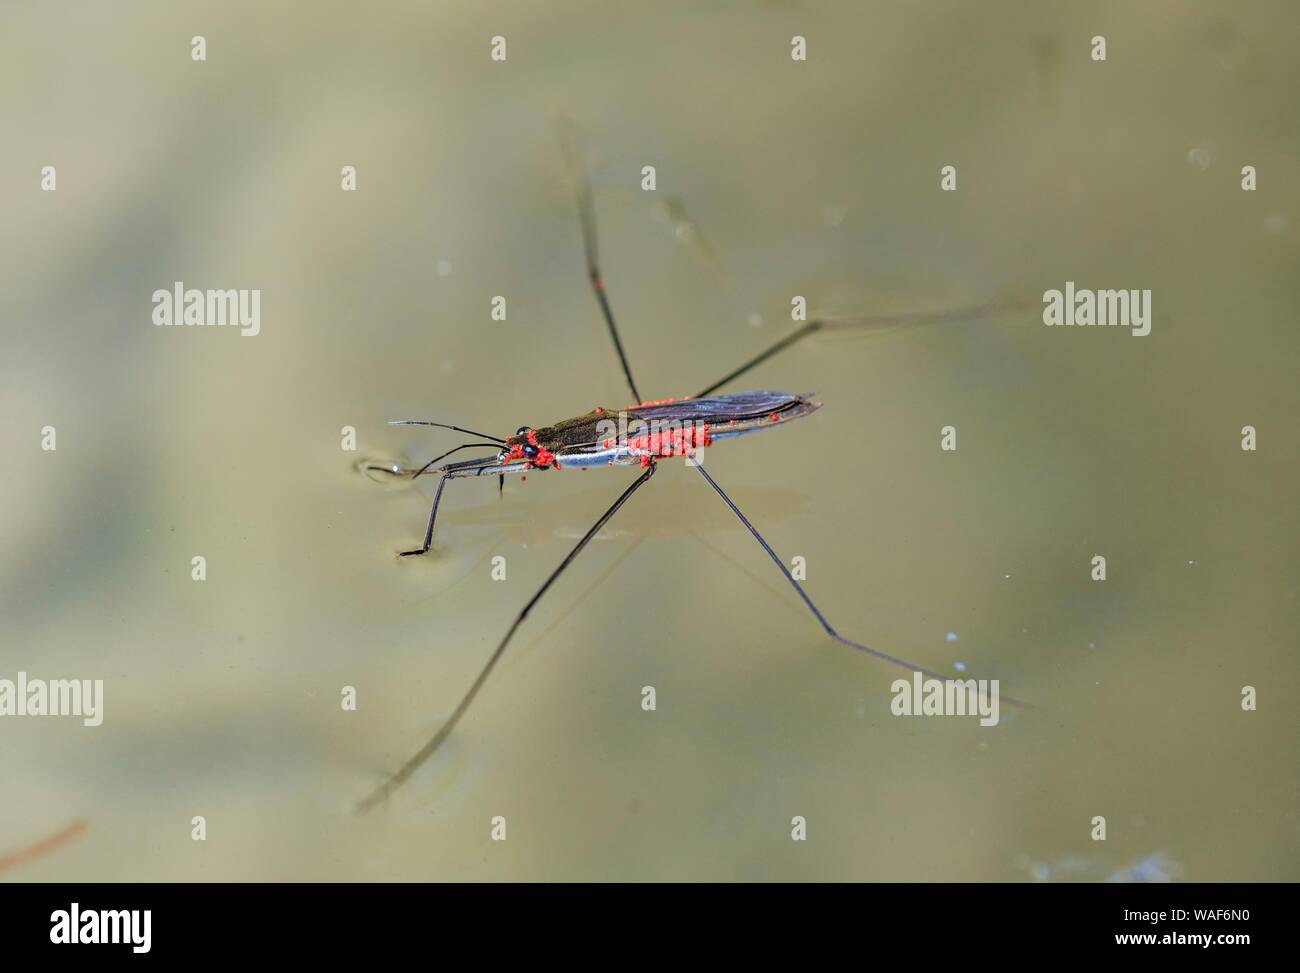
<point x="403" y="471"/>
<point x="452" y="471"/>
<point x="433" y="515"/>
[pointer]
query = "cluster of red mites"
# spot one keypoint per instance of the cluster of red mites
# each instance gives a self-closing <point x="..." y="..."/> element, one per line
<point x="672" y="442"/>
<point x="542" y="460"/>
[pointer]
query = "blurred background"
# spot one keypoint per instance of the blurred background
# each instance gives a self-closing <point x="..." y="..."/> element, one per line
<point x="774" y="178"/>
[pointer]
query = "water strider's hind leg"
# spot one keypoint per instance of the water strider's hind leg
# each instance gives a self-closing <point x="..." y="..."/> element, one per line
<point x="868" y="324"/>
<point x="813" y="608"/>
<point x="763" y="356"/>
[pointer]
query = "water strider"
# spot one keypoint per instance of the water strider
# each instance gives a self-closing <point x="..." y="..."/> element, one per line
<point x="638" y="435"/>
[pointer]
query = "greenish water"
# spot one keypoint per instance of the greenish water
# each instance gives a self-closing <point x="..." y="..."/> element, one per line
<point x="222" y="698"/>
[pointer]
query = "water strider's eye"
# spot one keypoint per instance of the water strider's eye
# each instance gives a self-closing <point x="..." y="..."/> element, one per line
<point x="530" y="450"/>
<point x="501" y="456"/>
<point x="521" y="431"/>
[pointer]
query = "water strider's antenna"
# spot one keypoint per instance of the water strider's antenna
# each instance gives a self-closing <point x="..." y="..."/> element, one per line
<point x="443" y="425"/>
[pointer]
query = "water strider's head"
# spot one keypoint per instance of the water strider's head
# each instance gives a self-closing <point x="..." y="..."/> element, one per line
<point x="528" y="446"/>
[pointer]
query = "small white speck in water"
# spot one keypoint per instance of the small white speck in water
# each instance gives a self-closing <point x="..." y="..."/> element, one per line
<point x="959" y="666"/>
<point x="755" y="319"/>
<point x="444" y="268"/>
<point x="950" y="637"/>
<point x="1199" y="157"/>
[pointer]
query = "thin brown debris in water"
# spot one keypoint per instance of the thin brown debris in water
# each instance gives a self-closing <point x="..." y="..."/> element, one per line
<point x="44" y="846"/>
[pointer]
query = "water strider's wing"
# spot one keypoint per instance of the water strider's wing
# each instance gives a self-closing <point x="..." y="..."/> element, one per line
<point x="717" y="408"/>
